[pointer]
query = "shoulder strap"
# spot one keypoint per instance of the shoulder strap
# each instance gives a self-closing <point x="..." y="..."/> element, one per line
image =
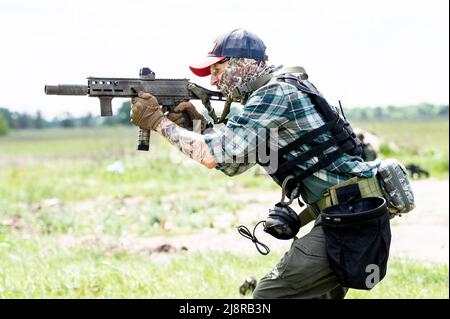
<point x="262" y="80"/>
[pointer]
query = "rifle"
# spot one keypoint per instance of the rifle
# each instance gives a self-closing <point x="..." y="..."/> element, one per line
<point x="169" y="92"/>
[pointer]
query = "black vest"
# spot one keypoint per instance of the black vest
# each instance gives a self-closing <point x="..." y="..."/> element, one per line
<point x="341" y="136"/>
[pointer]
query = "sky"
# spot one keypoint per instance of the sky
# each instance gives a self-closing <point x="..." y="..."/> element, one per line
<point x="362" y="52"/>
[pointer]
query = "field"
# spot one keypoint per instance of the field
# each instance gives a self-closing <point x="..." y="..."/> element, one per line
<point x="424" y="143"/>
<point x="84" y="215"/>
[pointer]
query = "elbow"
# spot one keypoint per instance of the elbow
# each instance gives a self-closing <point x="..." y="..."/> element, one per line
<point x="208" y="159"/>
<point x="210" y="163"/>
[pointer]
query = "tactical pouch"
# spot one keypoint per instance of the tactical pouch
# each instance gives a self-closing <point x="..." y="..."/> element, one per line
<point x="396" y="187"/>
<point x="358" y="237"/>
<point x="282" y="222"/>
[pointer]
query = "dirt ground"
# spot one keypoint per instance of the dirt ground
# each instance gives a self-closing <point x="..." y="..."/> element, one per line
<point x="422" y="234"/>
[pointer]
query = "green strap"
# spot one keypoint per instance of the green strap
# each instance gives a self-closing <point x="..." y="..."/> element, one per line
<point x="197" y="91"/>
<point x="307" y="215"/>
<point x="368" y="186"/>
<point x="225" y="112"/>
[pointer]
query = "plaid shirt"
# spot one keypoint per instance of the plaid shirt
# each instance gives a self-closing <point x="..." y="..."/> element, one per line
<point x="282" y="107"/>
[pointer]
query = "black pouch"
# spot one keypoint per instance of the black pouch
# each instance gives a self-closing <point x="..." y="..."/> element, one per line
<point x="358" y="238"/>
<point x="282" y="222"/>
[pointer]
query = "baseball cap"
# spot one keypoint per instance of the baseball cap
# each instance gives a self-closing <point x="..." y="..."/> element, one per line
<point x="238" y="43"/>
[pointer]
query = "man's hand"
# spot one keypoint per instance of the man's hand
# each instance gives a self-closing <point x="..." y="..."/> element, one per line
<point x="177" y="117"/>
<point x="145" y="111"/>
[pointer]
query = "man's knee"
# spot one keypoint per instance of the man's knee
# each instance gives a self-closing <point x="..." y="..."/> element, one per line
<point x="259" y="294"/>
<point x="271" y="289"/>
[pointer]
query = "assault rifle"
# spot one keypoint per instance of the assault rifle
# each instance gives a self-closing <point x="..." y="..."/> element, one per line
<point x="169" y="92"/>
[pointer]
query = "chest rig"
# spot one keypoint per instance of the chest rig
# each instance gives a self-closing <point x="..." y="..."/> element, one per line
<point x="340" y="136"/>
<point x="340" y="140"/>
<point x="282" y="222"/>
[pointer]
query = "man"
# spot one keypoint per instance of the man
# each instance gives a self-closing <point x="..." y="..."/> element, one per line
<point x="316" y="149"/>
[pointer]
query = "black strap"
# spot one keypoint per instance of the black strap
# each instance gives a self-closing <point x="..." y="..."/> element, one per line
<point x="339" y="134"/>
<point x="314" y="151"/>
<point x="338" y="127"/>
<point x="309" y="137"/>
<point x="325" y="160"/>
<point x="244" y="231"/>
<point x="307" y="87"/>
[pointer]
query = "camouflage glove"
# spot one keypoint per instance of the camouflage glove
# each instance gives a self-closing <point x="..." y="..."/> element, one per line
<point x="177" y="117"/>
<point x="145" y="111"/>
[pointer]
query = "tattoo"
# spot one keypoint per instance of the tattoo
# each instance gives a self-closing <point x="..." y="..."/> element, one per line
<point x="190" y="143"/>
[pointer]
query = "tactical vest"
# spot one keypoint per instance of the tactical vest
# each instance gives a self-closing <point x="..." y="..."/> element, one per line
<point x="340" y="133"/>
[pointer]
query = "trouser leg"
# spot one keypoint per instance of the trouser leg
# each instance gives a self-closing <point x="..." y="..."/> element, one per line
<point x="303" y="272"/>
<point x="337" y="293"/>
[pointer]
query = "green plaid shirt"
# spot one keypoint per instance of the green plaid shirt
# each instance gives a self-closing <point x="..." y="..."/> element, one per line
<point x="280" y="106"/>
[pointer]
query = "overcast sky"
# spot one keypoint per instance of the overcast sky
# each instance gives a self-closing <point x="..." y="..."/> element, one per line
<point x="365" y="53"/>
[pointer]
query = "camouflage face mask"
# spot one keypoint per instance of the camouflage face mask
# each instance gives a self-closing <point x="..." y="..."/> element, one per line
<point x="239" y="71"/>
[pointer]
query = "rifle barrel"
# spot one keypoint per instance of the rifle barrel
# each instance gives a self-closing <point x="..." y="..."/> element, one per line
<point x="65" y="89"/>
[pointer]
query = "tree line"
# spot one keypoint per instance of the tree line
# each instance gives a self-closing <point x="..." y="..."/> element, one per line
<point x="422" y="111"/>
<point x="17" y="121"/>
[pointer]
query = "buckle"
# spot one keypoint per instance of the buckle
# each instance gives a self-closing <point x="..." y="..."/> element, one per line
<point x="235" y="93"/>
<point x="283" y="191"/>
<point x="240" y="91"/>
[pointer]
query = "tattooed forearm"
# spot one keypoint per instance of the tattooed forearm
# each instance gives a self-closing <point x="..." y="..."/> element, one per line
<point x="190" y="143"/>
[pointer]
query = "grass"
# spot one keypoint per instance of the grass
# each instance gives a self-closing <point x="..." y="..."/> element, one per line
<point x="424" y="143"/>
<point x="56" y="182"/>
<point x="80" y="273"/>
<point x="42" y="269"/>
<point x="408" y="279"/>
<point x="69" y="167"/>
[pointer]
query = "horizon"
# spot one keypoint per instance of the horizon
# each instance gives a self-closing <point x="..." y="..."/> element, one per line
<point x="68" y="115"/>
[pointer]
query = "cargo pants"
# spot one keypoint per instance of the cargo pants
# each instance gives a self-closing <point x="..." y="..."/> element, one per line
<point x="304" y="272"/>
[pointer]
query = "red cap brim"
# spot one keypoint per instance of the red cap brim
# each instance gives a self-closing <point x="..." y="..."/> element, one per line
<point x="202" y="68"/>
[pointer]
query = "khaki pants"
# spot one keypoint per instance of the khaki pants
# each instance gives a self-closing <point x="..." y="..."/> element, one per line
<point x="303" y="272"/>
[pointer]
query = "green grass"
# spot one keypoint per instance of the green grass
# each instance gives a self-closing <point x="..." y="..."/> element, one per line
<point x="70" y="166"/>
<point x="55" y="182"/>
<point x="424" y="143"/>
<point x="79" y="273"/>
<point x="74" y="168"/>
<point x="408" y="279"/>
<point x="42" y="269"/>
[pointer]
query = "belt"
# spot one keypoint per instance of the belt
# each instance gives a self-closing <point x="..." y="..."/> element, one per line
<point x="368" y="187"/>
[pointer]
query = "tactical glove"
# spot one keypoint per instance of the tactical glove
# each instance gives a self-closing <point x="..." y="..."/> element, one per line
<point x="145" y="111"/>
<point x="197" y="119"/>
